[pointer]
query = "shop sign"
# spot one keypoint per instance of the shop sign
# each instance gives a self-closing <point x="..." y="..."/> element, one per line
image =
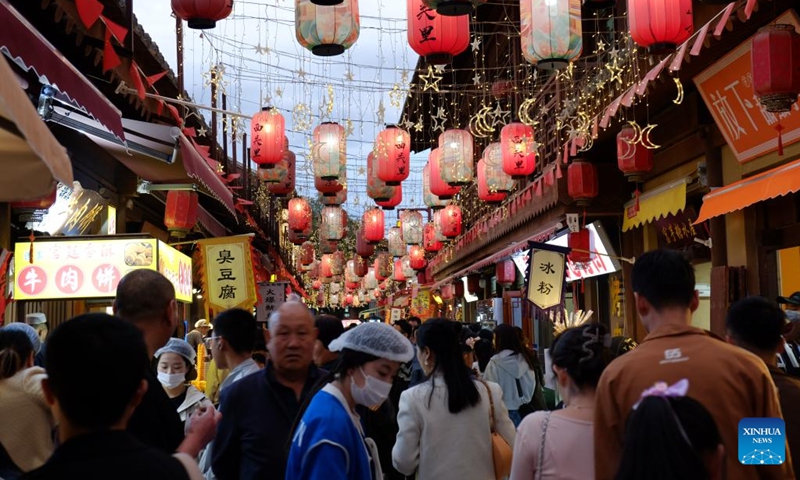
<point x="272" y="296"/>
<point x="76" y="212"/>
<point x="422" y="305"/>
<point x="601" y="263"/>
<point x="177" y="267"/>
<point x="229" y="279"/>
<point x="546" y="278"/>
<point x="727" y="89"/>
<point x="679" y="231"/>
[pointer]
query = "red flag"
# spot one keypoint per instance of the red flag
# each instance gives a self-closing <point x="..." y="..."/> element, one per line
<point x="152" y="79"/>
<point x="116" y="29"/>
<point x="110" y="57"/>
<point x="89" y="11"/>
<point x="136" y="79"/>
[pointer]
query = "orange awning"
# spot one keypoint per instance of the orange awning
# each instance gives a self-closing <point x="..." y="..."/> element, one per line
<point x="736" y="196"/>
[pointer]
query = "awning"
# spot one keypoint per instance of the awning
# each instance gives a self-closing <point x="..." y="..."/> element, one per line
<point x="30" y="50"/>
<point x="736" y="196"/>
<point x="666" y="200"/>
<point x="32" y="158"/>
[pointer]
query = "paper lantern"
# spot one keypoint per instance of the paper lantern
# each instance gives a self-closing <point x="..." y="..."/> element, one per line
<point x="328" y="188"/>
<point x="457" y="149"/>
<point x="397" y="247"/>
<point x="307" y="253"/>
<point x="518" y="150"/>
<point x="502" y="89"/>
<point x="383" y="266"/>
<point x="417" y="256"/>
<point x="506" y="273"/>
<point x="316" y="285"/>
<point x="377" y="188"/>
<point x="447" y="292"/>
<point x="202" y="14"/>
<point x="371" y="280"/>
<point x="180" y="214"/>
<point x="283" y="174"/>
<point x="632" y="158"/>
<point x="454" y="8"/>
<point x="266" y="137"/>
<point x="582" y="182"/>
<point x="411" y="223"/>
<point x="451" y="221"/>
<point x="360" y="266"/>
<point x="328" y="246"/>
<point x="326" y="266"/>
<point x="299" y="214"/>
<point x="398" y="274"/>
<point x="335" y="199"/>
<point x="660" y="25"/>
<point x="581" y="244"/>
<point x="338" y="263"/>
<point x="363" y="248"/>
<point x="497" y="180"/>
<point x="297" y="238"/>
<point x="483" y="189"/>
<point x="350" y="272"/>
<point x="429" y="241"/>
<point x="550" y="32"/>
<point x="333" y="224"/>
<point x="431" y="201"/>
<point x="326" y="30"/>
<point x="395" y="200"/>
<point x="458" y="288"/>
<point x="405" y="263"/>
<point x="329" y="151"/>
<point x="392" y="155"/>
<point x="775" y="60"/>
<point x="474" y="283"/>
<point x="439" y="187"/>
<point x="373" y="224"/>
<point x="434" y="36"/>
<point x="437" y="224"/>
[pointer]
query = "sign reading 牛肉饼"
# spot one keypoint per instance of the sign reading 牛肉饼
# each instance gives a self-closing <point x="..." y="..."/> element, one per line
<point x="229" y="281"/>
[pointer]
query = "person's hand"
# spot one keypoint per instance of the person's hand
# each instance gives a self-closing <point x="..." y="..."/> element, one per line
<point x="201" y="428"/>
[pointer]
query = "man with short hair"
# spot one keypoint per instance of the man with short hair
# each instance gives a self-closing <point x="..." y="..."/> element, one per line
<point x="755" y="324"/>
<point x="146" y="299"/>
<point x="232" y="345"/>
<point x="92" y="410"/>
<point x="259" y="410"/>
<point x="200" y="333"/>
<point x="731" y="383"/>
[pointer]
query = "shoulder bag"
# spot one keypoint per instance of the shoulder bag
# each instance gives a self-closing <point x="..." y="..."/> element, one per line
<point x="501" y="450"/>
<point x="540" y="460"/>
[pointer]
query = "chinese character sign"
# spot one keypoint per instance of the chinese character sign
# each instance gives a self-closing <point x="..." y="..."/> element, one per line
<point x="229" y="279"/>
<point x="273" y="295"/>
<point x="546" y="278"/>
<point x="422" y="306"/>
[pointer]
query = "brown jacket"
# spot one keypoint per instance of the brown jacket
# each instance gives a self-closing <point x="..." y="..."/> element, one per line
<point x="730" y="382"/>
<point x="789" y="393"/>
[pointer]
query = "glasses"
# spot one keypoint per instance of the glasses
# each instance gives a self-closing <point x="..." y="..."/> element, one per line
<point x="208" y="340"/>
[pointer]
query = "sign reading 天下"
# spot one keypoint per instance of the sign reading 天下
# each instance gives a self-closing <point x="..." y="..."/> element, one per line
<point x="545" y="281"/>
<point x="228" y="269"/>
<point x="273" y="295"/>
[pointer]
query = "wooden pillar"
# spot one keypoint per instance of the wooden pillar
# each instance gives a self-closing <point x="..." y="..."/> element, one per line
<point x="719" y="249"/>
<point x="632" y="245"/>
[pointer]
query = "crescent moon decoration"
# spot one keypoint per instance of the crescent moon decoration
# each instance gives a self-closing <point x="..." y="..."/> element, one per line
<point x="485" y="127"/>
<point x="679" y="99"/>
<point x="637" y="137"/>
<point x="524" y="112"/>
<point x="629" y="152"/>
<point x="645" y="138"/>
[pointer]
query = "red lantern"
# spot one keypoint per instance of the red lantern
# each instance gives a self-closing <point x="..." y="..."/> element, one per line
<point x="417" y="257"/>
<point x="374" y="226"/>
<point x="398" y="271"/>
<point x="297" y="238"/>
<point x="266" y="137"/>
<point x="316" y="285"/>
<point x="497" y="180"/>
<point x="326" y="266"/>
<point x="348" y="299"/>
<point x="502" y="89"/>
<point x="447" y="292"/>
<point x="660" y="25"/>
<point x="632" y="158"/>
<point x="519" y="153"/>
<point x="39" y="204"/>
<point x="201" y="14"/>
<point x="581" y="244"/>
<point x="474" y="283"/>
<point x="506" y="273"/>
<point x="483" y="189"/>
<point x="363" y="248"/>
<point x="429" y="240"/>
<point x="377" y="188"/>
<point x="434" y="36"/>
<point x="392" y="155"/>
<point x="397" y="247"/>
<point x="431" y="201"/>
<point x="181" y="212"/>
<point x="582" y="182"/>
<point x="776" y="67"/>
<point x="284" y="175"/>
<point x="454" y="8"/>
<point x="451" y="221"/>
<point x="395" y="200"/>
<point x="457" y="154"/>
<point x="299" y="214"/>
<point x="382" y="267"/>
<point x="328" y="188"/>
<point x="458" y="288"/>
<point x="307" y="253"/>
<point x="360" y="266"/>
<point x="439" y="187"/>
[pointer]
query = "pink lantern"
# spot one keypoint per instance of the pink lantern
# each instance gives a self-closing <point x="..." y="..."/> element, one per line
<point x="660" y="25"/>
<point x="398" y="271"/>
<point x="519" y="154"/>
<point x="281" y="177"/>
<point x="377" y="188"/>
<point x="483" y="189"/>
<point x="439" y="187"/>
<point x="392" y="155"/>
<point x="455" y="163"/>
<point x="335" y="200"/>
<point x="416" y="256"/>
<point x="431" y="243"/>
<point x="328" y="188"/>
<point x="395" y="200"/>
<point x="431" y="201"/>
<point x="451" y="221"/>
<point x="497" y="180"/>
<point x="299" y="214"/>
<point x="266" y="137"/>
<point x="373" y="224"/>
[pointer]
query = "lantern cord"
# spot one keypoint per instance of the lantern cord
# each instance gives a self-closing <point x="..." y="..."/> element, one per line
<point x="779" y="128"/>
<point x="630" y="260"/>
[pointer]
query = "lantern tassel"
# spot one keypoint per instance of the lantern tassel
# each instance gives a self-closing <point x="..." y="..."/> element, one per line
<point x="779" y="128"/>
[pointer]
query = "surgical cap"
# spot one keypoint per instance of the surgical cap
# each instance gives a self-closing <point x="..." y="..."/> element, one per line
<point x="27" y="330"/>
<point x="180" y="347"/>
<point x="377" y="339"/>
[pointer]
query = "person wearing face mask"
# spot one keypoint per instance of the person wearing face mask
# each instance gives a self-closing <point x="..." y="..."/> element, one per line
<point x="175" y="368"/>
<point x="328" y="442"/>
<point x="789" y="356"/>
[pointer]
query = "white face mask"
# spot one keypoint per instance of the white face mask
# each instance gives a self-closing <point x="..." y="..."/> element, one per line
<point x="372" y="394"/>
<point x="793" y="315"/>
<point x="171" y="380"/>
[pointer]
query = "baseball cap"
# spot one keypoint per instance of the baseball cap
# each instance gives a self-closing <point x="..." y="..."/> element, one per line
<point x="203" y="323"/>
<point x="35" y="318"/>
<point x="793" y="299"/>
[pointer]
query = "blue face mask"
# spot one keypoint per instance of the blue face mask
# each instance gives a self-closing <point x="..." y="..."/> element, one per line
<point x="793" y="315"/>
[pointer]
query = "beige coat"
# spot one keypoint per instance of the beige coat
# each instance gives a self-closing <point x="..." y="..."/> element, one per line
<point x="26" y="424"/>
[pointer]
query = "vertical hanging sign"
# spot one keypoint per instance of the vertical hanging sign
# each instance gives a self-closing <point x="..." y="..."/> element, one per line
<point x="228" y="273"/>
<point x="545" y="280"/>
<point x="273" y="295"/>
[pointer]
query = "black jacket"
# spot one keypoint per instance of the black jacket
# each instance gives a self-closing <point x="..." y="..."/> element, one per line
<point x="156" y="421"/>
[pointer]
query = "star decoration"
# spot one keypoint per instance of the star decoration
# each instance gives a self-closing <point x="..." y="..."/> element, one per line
<point x="476" y="80"/>
<point x="407" y="125"/>
<point x="381" y="112"/>
<point x="439" y="120"/>
<point x="267" y="99"/>
<point x="349" y="76"/>
<point x="201" y="132"/>
<point x="500" y="116"/>
<point x="361" y="171"/>
<point x="476" y="44"/>
<point x="404" y="77"/>
<point x="439" y="68"/>
<point x="601" y="46"/>
<point x="418" y="126"/>
<point x="615" y="71"/>
<point x="614" y="53"/>
<point x="430" y="80"/>
<point x="279" y="92"/>
<point x="301" y="73"/>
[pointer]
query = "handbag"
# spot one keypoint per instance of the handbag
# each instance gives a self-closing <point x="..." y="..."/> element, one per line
<point x="501" y="450"/>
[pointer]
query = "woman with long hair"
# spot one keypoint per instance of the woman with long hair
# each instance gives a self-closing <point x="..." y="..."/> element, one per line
<point x="450" y="408"/>
<point x="549" y="442"/>
<point x="513" y="368"/>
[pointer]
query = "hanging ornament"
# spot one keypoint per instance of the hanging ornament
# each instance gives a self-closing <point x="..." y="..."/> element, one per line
<point x="373" y="224"/>
<point x="411" y="222"/>
<point x="518" y="150"/>
<point x="451" y="221"/>
<point x="497" y="180"/>
<point x="202" y="14"/>
<point x="429" y="240"/>
<point x="632" y="158"/>
<point x="330" y="151"/>
<point x="327" y="30"/>
<point x="363" y="248"/>
<point x="281" y="178"/>
<point x="377" y="188"/>
<point x="397" y="247"/>
<point x="336" y="199"/>
<point x="455" y="164"/>
<point x="436" y="37"/>
<point x="582" y="182"/>
<point x="383" y="266"/>
<point x="267" y="137"/>
<point x="506" y="273"/>
<point x="454" y="8"/>
<point x="180" y="214"/>
<point x="431" y="201"/>
<point x="307" y="253"/>
<point x="333" y="224"/>
<point x="581" y="244"/>
<point x="395" y="200"/>
<point x="399" y="275"/>
<point x="484" y="193"/>
<point x="360" y="265"/>
<point x="392" y="155"/>
<point x="405" y="263"/>
<point x="550" y="32"/>
<point x="776" y="67"/>
<point x="299" y="214"/>
<point x="660" y="25"/>
<point x="416" y="255"/>
<point x="439" y="187"/>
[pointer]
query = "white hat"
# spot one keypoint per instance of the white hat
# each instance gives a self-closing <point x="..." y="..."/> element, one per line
<point x="202" y="323"/>
<point x="27" y="330"/>
<point x="35" y="318"/>
<point x="377" y="339"/>
<point x="178" y="346"/>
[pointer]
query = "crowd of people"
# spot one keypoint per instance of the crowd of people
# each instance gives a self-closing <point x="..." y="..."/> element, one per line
<point x="304" y="398"/>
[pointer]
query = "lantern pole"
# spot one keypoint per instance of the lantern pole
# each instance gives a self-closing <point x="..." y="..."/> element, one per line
<point x="225" y="133"/>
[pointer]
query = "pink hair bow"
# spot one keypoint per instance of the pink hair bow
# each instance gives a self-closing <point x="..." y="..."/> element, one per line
<point x="661" y="389"/>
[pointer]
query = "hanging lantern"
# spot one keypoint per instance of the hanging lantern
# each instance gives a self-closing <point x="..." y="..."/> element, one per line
<point x="181" y="212"/>
<point x="437" y="225"/>
<point x="338" y="262"/>
<point x="299" y="214"/>
<point x="266" y="137"/>
<point x="395" y="200"/>
<point x="40" y="203"/>
<point x="335" y="200"/>
<point x="453" y="8"/>
<point x="483" y="188"/>
<point x="399" y="275"/>
<point x="328" y="188"/>
<point x="497" y="180"/>
<point x="417" y="256"/>
<point x="439" y="187"/>
<point x="458" y="288"/>
<point x="326" y="266"/>
<point x="447" y="292"/>
<point x="282" y="176"/>
<point x="307" y="253"/>
<point x="405" y="263"/>
<point x="363" y="248"/>
<point x="474" y="283"/>
<point x="383" y="266"/>
<point x="350" y="272"/>
<point x="455" y="164"/>
<point x="314" y="272"/>
<point x="451" y="221"/>
<point x="581" y="246"/>
<point x="377" y="188"/>
<point x="434" y="36"/>
<point x="429" y="241"/>
<point x="501" y="89"/>
<point x="776" y="67"/>
<point x="632" y="158"/>
<point x="348" y="299"/>
<point x="431" y="201"/>
<point x="411" y="222"/>
<point x="202" y="14"/>
<point x="506" y="273"/>
<point x="582" y="182"/>
<point x="329" y="151"/>
<point x="660" y="25"/>
<point x="373" y="224"/>
<point x="360" y="266"/>
<point x="297" y="238"/>
<point x="397" y="247"/>
<point x="550" y="32"/>
<point x="333" y="224"/>
<point x="371" y="280"/>
<point x="392" y="155"/>
<point x="327" y="246"/>
<point x="316" y="285"/>
<point x="326" y="30"/>
<point x="518" y="150"/>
